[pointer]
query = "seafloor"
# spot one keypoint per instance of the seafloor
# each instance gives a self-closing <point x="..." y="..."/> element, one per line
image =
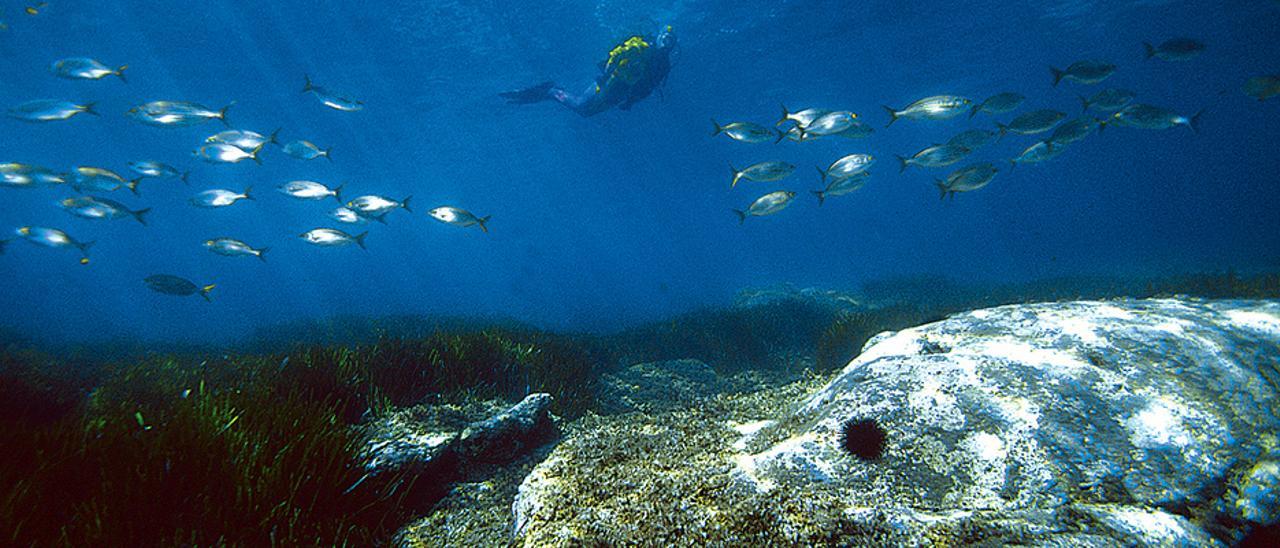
<point x="914" y="413"/>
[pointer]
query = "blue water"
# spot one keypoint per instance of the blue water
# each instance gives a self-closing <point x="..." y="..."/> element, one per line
<point x="602" y="222"/>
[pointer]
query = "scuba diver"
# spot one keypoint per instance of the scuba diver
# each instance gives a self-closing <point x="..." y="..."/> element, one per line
<point x="633" y="70"/>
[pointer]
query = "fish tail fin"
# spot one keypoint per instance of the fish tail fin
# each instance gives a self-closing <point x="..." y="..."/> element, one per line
<point x="133" y="186"/>
<point x="742" y="216"/>
<point x="247" y="192"/>
<point x="1151" y="50"/>
<point x="482" y="222"/>
<point x="974" y="111"/>
<point x="718" y="128"/>
<point x="1194" y="123"/>
<point x="337" y="192"/>
<point x="84" y="247"/>
<point x="783" y="135"/>
<point x="262" y="254"/>
<point x="1057" y="76"/>
<point x="380" y="218"/>
<point x="736" y="175"/>
<point x="904" y="163"/>
<point x="186" y="175"/>
<point x="204" y="291"/>
<point x="1084" y="104"/>
<point x="253" y="154"/>
<point x="273" y="138"/>
<point x="119" y="72"/>
<point x="1012" y="164"/>
<point x="360" y="239"/>
<point x="822" y="196"/>
<point x="942" y="187"/>
<point x="405" y="203"/>
<point x="139" y="215"/>
<point x="306" y="83"/>
<point x="786" y="114"/>
<point x="89" y="108"/>
<point x="893" y="114"/>
<point x="1102" y="124"/>
<point x="222" y="114"/>
<point x="326" y="153"/>
<point x="1003" y="130"/>
<point x="821" y="173"/>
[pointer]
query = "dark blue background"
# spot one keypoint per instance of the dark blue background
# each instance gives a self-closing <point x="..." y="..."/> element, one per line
<point x="602" y="222"/>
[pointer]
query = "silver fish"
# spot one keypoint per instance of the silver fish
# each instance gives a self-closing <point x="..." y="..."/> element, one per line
<point x="48" y="110"/>
<point x="29" y="176"/>
<point x="801" y="117"/>
<point x="938" y="107"/>
<point x="1108" y="100"/>
<point x="1074" y="130"/>
<point x="222" y="153"/>
<point x="328" y="237"/>
<point x="842" y="186"/>
<point x="1262" y="87"/>
<point x="176" y="113"/>
<point x="831" y="123"/>
<point x="747" y="132"/>
<point x="158" y="170"/>
<point x="349" y="216"/>
<point x="999" y="103"/>
<point x="311" y="190"/>
<point x="1084" y="72"/>
<point x="177" y="286"/>
<point x="847" y="166"/>
<point x="1175" y="49"/>
<point x="52" y="237"/>
<point x="459" y="217"/>
<point x="1151" y="117"/>
<point x="231" y="247"/>
<point x="84" y="68"/>
<point x="857" y="130"/>
<point x="1038" y="152"/>
<point x="973" y="139"/>
<point x="89" y="207"/>
<point x="768" y="204"/>
<point x="762" y="172"/>
<point x="377" y="206"/>
<point x="96" y="179"/>
<point x="934" y="156"/>
<point x="220" y="198"/>
<point x="243" y="139"/>
<point x="1031" y="123"/>
<point x="966" y="179"/>
<point x="330" y="99"/>
<point x="305" y="150"/>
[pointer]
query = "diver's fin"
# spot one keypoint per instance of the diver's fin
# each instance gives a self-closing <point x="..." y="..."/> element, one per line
<point x="535" y="94"/>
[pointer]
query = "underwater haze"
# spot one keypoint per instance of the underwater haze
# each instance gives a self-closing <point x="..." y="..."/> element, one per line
<point x="602" y="222"/>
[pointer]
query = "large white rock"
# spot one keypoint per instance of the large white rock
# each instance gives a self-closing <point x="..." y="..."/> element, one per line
<point x="1156" y="414"/>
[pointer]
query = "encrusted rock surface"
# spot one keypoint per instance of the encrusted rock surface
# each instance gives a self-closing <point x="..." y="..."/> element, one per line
<point x="1085" y="423"/>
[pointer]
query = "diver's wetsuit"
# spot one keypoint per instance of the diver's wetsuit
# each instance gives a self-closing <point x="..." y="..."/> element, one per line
<point x="615" y="86"/>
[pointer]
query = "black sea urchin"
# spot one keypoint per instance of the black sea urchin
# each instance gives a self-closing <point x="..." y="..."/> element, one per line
<point x="863" y="438"/>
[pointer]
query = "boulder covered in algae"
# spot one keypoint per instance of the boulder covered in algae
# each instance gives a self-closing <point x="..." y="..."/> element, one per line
<point x="1086" y="423"/>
